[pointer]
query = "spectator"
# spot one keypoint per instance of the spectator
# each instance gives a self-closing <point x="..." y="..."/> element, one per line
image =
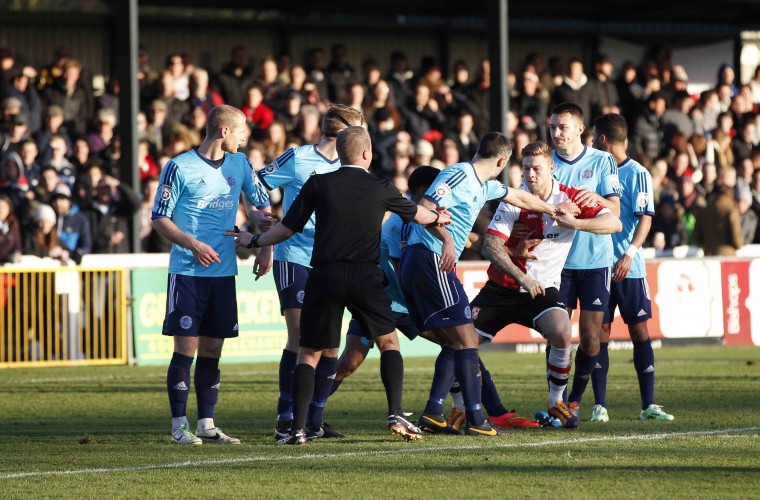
<point x="43" y="241"/>
<point x="308" y="129"/>
<point x="258" y="115"/>
<point x="744" y="142"/>
<point x="647" y="138"/>
<point x="49" y="182"/>
<point x="72" y="228"/>
<point x="175" y="79"/>
<point x="176" y="108"/>
<point x="113" y="207"/>
<point x="200" y="94"/>
<point x="66" y="170"/>
<point x="421" y="113"/>
<point x="53" y="124"/>
<point x="10" y="232"/>
<point x="718" y="226"/>
<point x="236" y="77"/>
<point x="677" y="119"/>
<point x="158" y="128"/>
<point x="147" y="165"/>
<point x="691" y="202"/>
<point x="604" y="94"/>
<point x="10" y="142"/>
<point x="315" y="70"/>
<point x="109" y="99"/>
<point x="531" y="103"/>
<point x="290" y="116"/>
<point x="13" y="183"/>
<point x="19" y="86"/>
<point x="747" y="218"/>
<point x="464" y="136"/>
<point x="460" y="77"/>
<point x="339" y="72"/>
<point x="380" y="99"/>
<point x="146" y="76"/>
<point x="399" y="78"/>
<point x="478" y="100"/>
<point x="667" y="223"/>
<point x="574" y="89"/>
<point x="104" y="134"/>
<point x="727" y="76"/>
<point x="269" y="82"/>
<point x="274" y="141"/>
<point x="32" y="168"/>
<point x="70" y="93"/>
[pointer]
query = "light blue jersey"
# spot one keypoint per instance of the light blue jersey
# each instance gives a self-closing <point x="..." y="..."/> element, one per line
<point x="394" y="238"/>
<point x="636" y="199"/>
<point x="459" y="189"/>
<point x="596" y="171"/>
<point x="292" y="169"/>
<point x="202" y="200"/>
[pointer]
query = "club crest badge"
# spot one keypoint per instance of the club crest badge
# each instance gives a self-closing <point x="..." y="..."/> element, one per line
<point x="442" y="190"/>
<point x="642" y="200"/>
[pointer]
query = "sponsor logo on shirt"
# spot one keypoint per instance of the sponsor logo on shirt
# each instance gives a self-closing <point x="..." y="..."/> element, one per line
<point x="222" y="202"/>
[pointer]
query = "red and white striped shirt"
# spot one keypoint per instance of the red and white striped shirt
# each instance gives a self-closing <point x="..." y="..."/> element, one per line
<point x="552" y="252"/>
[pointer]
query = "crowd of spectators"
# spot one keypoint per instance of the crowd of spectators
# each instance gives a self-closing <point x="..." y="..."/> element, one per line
<point x="60" y="196"/>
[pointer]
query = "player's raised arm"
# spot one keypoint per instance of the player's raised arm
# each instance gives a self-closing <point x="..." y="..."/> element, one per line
<point x="525" y="200"/>
<point x="604" y="223"/>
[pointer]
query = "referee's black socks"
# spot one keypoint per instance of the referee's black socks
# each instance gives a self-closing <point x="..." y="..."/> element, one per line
<point x="392" y="375"/>
<point x="303" y="388"/>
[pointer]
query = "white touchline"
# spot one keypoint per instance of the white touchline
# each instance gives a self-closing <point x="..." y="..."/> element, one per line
<point x="221" y="461"/>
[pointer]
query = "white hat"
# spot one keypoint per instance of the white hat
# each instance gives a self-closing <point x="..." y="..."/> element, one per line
<point x="44" y="212"/>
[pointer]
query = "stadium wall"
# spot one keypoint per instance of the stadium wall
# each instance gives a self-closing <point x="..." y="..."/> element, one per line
<point x="693" y="300"/>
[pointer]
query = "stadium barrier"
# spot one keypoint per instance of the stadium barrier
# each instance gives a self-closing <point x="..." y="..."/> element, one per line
<point x="693" y="300"/>
<point x="62" y="316"/>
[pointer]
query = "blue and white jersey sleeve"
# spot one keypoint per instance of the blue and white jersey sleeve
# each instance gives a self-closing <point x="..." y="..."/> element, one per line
<point x="169" y="189"/>
<point x="496" y="190"/>
<point x="643" y="193"/>
<point x="637" y="200"/>
<point x="609" y="179"/>
<point x="254" y="189"/>
<point x="441" y="192"/>
<point x="391" y="236"/>
<point x="280" y="171"/>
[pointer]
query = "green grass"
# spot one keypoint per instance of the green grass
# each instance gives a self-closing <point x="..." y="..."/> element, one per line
<point x="64" y="423"/>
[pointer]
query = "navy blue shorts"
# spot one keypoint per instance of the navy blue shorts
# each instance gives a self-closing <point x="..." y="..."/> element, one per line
<point x="290" y="280"/>
<point x="403" y="322"/>
<point x="434" y="299"/>
<point x="204" y="306"/>
<point x="589" y="286"/>
<point x="632" y="297"/>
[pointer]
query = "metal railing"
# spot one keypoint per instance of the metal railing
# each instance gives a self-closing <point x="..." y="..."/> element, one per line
<point x="63" y="316"/>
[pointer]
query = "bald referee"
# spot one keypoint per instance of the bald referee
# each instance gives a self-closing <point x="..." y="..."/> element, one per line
<point x="349" y="205"/>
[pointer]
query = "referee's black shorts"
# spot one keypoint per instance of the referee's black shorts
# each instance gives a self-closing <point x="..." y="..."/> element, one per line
<point x="333" y="287"/>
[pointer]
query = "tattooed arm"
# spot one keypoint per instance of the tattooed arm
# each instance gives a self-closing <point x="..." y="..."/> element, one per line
<point x="493" y="250"/>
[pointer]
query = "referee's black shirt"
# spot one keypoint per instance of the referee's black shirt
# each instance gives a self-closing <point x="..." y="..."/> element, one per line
<point x="349" y="204"/>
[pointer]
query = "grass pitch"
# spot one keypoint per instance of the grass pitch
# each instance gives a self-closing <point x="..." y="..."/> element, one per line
<point x="104" y="433"/>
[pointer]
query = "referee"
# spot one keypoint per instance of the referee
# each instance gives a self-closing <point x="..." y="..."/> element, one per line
<point x="349" y="205"/>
